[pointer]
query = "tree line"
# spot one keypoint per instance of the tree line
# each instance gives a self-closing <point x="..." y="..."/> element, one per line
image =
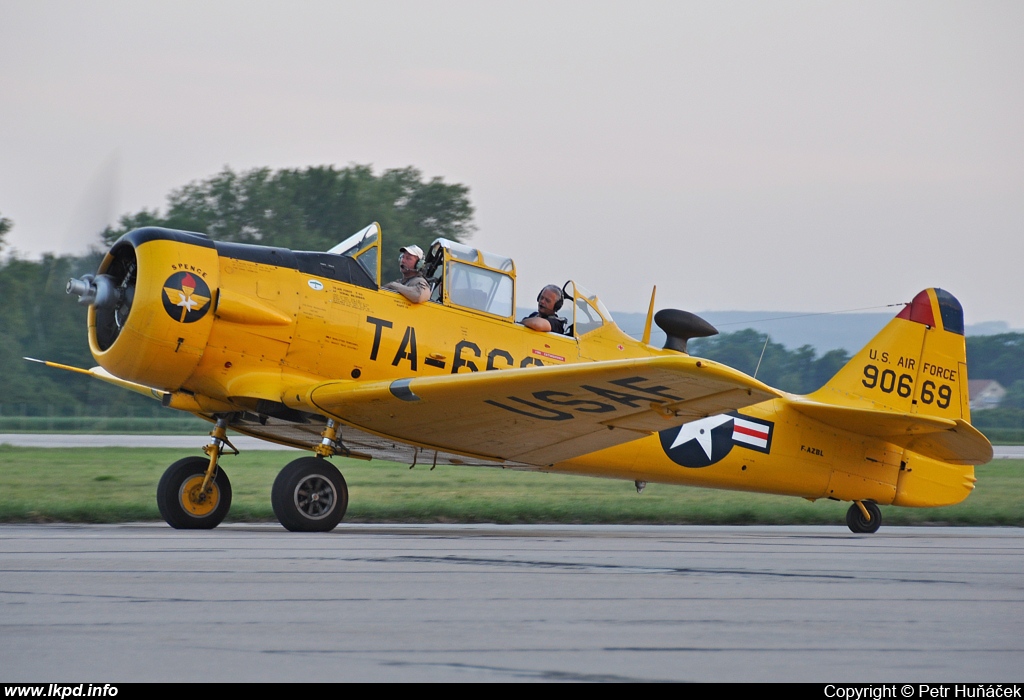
<point x="315" y="208"/>
<point x="798" y="371"/>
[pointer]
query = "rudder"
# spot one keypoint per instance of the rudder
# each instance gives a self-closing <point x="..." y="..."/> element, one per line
<point x="916" y="364"/>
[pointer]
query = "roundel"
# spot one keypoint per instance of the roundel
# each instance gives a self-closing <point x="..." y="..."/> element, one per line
<point x="186" y="297"/>
<point x="700" y="443"/>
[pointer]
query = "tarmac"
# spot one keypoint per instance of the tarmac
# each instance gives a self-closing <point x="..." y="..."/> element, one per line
<point x="484" y="603"/>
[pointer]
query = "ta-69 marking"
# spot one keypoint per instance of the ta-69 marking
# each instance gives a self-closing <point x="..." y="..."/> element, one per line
<point x="466" y="352"/>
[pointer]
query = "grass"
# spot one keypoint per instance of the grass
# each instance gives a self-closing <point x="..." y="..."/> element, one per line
<point x="96" y="485"/>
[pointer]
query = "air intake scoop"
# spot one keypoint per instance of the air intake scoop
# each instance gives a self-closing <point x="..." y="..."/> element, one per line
<point x="680" y="326"/>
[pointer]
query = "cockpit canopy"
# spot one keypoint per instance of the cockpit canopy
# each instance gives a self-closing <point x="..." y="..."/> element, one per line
<point x="471" y="279"/>
<point x="364" y="246"/>
<point x="587" y="314"/>
<point x="468" y="278"/>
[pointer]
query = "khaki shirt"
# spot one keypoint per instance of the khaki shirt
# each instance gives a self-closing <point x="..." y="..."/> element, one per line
<point x="416" y="285"/>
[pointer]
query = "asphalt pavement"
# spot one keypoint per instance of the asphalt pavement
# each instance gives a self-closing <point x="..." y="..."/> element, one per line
<point x="254" y="603"/>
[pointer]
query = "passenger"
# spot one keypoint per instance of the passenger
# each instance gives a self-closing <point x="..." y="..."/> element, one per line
<point x="413" y="285"/>
<point x="549" y="301"/>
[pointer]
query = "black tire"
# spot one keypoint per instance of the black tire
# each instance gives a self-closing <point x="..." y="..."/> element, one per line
<point x="309" y="495"/>
<point x="857" y="523"/>
<point x="179" y="500"/>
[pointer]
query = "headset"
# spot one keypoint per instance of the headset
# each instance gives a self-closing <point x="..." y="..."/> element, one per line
<point x="417" y="267"/>
<point x="561" y="296"/>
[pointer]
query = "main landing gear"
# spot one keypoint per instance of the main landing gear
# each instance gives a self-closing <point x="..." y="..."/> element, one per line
<point x="309" y="494"/>
<point x="194" y="494"/>
<point x="864" y="517"/>
<point x="185" y="503"/>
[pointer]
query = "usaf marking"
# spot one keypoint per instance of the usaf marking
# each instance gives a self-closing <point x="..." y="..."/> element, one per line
<point x="532" y="409"/>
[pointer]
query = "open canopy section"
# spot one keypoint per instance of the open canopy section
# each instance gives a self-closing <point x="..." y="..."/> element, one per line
<point x="587" y="312"/>
<point x="471" y="279"/>
<point x="364" y="246"/>
<point x="460" y="251"/>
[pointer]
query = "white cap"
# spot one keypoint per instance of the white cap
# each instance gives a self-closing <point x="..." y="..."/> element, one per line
<point x="412" y="250"/>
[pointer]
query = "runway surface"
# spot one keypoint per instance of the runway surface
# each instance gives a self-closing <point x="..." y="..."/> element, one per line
<point x="117" y="603"/>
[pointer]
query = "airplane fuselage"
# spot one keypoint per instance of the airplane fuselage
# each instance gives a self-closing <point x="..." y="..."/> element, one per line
<point x="227" y="327"/>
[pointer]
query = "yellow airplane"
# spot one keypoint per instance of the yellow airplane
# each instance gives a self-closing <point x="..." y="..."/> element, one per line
<point x="307" y="349"/>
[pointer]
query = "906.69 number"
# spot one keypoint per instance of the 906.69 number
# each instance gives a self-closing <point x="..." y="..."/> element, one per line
<point x="903" y="385"/>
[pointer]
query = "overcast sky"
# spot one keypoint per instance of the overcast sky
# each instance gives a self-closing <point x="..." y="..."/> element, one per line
<point x="808" y="156"/>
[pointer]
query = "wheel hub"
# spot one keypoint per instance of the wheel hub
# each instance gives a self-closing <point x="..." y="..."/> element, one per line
<point x="195" y="500"/>
<point x="315" y="497"/>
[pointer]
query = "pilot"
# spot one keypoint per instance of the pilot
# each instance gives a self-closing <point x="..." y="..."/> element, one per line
<point x="413" y="285"/>
<point x="549" y="301"/>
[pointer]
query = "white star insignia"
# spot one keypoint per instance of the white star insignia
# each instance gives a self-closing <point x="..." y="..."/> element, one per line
<point x="187" y="301"/>
<point x="700" y="431"/>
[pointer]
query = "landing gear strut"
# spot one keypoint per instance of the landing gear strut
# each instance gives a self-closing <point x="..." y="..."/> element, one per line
<point x="194" y="494"/>
<point x="183" y="500"/>
<point x="864" y="517"/>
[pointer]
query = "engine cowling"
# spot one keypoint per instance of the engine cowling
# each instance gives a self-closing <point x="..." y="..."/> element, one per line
<point x="152" y="305"/>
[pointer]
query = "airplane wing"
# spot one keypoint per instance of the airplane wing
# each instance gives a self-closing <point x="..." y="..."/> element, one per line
<point x="537" y="415"/>
<point x="954" y="441"/>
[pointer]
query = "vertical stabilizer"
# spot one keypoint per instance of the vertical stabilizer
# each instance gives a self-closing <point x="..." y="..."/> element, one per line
<point x="916" y="364"/>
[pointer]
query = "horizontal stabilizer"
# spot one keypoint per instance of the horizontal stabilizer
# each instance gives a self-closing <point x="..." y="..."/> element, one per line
<point x="951" y="440"/>
<point x="538" y="415"/>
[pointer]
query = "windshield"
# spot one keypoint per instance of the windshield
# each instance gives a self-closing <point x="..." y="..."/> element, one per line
<point x="582" y="291"/>
<point x="461" y="251"/>
<point x="357" y="241"/>
<point x="362" y="246"/>
<point x="480" y="289"/>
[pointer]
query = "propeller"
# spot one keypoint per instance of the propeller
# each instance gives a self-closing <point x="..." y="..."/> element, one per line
<point x="111" y="291"/>
<point x="95" y="208"/>
<point x="110" y="294"/>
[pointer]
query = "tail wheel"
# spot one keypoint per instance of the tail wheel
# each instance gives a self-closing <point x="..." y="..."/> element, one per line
<point x="183" y="502"/>
<point x="309" y="495"/>
<point x="856" y="521"/>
